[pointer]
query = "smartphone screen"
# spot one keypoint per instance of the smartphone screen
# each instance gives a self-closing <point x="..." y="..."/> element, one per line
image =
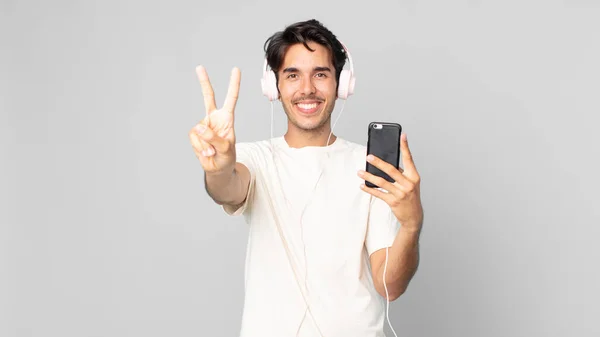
<point x="384" y="143"/>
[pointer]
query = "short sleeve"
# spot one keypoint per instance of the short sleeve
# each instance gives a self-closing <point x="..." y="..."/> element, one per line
<point x="382" y="226"/>
<point x="244" y="155"/>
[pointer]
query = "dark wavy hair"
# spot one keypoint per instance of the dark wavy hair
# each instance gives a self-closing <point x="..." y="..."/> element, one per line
<point x="302" y="32"/>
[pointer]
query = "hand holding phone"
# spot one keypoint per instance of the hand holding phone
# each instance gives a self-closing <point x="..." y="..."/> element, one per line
<point x="401" y="193"/>
<point x="384" y="143"/>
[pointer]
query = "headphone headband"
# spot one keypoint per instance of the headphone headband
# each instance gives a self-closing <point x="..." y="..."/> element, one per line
<point x="349" y="57"/>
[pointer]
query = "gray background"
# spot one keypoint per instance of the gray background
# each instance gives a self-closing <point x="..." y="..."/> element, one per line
<point x="105" y="226"/>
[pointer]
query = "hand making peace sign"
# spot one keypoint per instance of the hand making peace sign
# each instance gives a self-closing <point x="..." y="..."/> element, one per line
<point x="213" y="138"/>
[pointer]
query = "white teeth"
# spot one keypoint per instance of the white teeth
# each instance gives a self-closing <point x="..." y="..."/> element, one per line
<point x="308" y="106"/>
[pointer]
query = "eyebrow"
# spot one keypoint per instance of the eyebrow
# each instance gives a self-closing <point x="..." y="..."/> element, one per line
<point x="293" y="69"/>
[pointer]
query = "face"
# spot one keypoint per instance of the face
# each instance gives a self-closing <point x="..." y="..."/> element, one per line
<point x="307" y="86"/>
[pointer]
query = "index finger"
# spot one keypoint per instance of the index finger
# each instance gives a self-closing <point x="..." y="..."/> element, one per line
<point x="389" y="169"/>
<point x="234" y="89"/>
<point x="207" y="90"/>
<point x="407" y="159"/>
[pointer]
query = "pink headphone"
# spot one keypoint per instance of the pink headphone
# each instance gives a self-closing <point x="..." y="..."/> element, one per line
<point x="345" y="87"/>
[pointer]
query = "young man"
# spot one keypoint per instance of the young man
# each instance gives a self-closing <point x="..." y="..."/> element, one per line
<point x="318" y="237"/>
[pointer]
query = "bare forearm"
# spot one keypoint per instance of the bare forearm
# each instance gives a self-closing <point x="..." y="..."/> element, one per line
<point x="403" y="261"/>
<point x="226" y="187"/>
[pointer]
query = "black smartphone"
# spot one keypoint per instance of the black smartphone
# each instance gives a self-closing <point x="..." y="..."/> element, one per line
<point x="384" y="143"/>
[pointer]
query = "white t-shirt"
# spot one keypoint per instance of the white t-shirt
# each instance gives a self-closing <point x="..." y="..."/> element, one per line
<point x="330" y="228"/>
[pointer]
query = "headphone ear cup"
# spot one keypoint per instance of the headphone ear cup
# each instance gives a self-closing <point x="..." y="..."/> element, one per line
<point x="346" y="85"/>
<point x="351" y="85"/>
<point x="269" y="85"/>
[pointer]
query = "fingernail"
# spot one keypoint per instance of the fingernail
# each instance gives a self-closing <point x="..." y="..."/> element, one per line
<point x="370" y="157"/>
<point x="200" y="128"/>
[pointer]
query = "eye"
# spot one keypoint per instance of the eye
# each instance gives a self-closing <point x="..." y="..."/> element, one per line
<point x="322" y="75"/>
<point x="292" y="76"/>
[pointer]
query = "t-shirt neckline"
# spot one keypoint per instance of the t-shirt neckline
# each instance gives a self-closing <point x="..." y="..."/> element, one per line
<point x="282" y="143"/>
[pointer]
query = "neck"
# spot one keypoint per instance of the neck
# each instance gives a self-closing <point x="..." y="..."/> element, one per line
<point x="298" y="138"/>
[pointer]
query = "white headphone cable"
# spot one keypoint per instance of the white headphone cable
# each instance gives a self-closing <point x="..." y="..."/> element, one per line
<point x="286" y="247"/>
<point x="302" y="213"/>
<point x="387" y="296"/>
<point x="287" y="251"/>
<point x="334" y="123"/>
<point x="271" y="121"/>
<point x="302" y="236"/>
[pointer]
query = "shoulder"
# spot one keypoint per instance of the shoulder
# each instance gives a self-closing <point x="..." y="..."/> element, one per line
<point x="253" y="153"/>
<point x="353" y="146"/>
<point x="253" y="146"/>
<point x="353" y="149"/>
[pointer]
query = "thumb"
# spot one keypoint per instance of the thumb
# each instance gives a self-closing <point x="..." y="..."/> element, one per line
<point x="205" y="133"/>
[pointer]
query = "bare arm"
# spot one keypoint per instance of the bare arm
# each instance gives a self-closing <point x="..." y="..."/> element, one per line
<point x="229" y="187"/>
<point x="403" y="261"/>
<point x="404" y="198"/>
<point x="213" y="141"/>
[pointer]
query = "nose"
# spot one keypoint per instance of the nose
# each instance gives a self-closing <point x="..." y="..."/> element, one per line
<point x="308" y="88"/>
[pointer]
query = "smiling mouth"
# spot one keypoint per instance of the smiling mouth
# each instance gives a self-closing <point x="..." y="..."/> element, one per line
<point x="308" y="107"/>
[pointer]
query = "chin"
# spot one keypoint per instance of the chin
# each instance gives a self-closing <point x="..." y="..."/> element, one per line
<point x="309" y="124"/>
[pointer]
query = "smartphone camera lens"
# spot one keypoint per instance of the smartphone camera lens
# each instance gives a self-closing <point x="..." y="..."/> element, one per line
<point x="376" y="126"/>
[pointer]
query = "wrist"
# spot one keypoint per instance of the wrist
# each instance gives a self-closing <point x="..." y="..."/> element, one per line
<point x="412" y="227"/>
<point x="225" y="172"/>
